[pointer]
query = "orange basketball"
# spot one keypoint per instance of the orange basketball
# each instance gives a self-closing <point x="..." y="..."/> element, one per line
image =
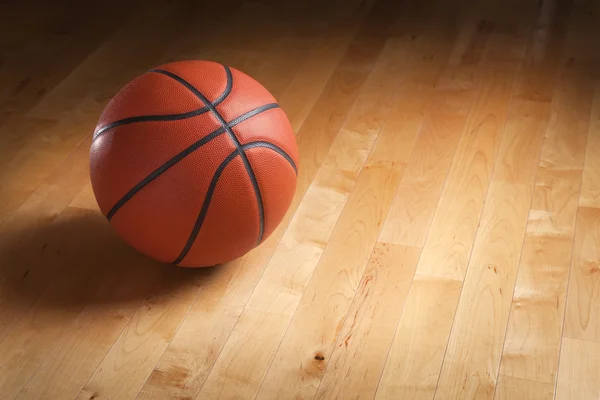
<point x="194" y="163"/>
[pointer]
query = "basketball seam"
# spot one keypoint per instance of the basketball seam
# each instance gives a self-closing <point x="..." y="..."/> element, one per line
<point x="233" y="138"/>
<point x="213" y="185"/>
<point x="275" y="148"/>
<point x="182" y="154"/>
<point x="203" y="211"/>
<point x="169" y="117"/>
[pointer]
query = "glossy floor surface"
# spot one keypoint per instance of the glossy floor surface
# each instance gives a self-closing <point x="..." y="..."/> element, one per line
<point x="443" y="243"/>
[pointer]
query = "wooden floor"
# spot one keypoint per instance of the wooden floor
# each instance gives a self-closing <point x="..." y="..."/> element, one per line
<point x="444" y="241"/>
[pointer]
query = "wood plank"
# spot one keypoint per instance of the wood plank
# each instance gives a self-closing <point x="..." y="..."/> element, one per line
<point x="442" y="128"/>
<point x="546" y="52"/>
<point x="125" y="278"/>
<point x="19" y="272"/>
<point x="355" y="366"/>
<point x="415" y="94"/>
<point x="582" y="320"/>
<point x="36" y="333"/>
<point x="590" y="188"/>
<point x="415" y="357"/>
<point x="473" y="355"/>
<point x="73" y="34"/>
<point x="578" y="371"/>
<point x="320" y="315"/>
<point x="315" y="70"/>
<point x="416" y="200"/>
<point x="86" y="198"/>
<point x="320" y="127"/>
<point x="448" y="246"/>
<point x="127" y="365"/>
<point x="187" y="362"/>
<point x="277" y="294"/>
<point x="45" y="148"/>
<point x="136" y="44"/>
<point x="532" y="343"/>
<point x="16" y="187"/>
<point x="509" y="388"/>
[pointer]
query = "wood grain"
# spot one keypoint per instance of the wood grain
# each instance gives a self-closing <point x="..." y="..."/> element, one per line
<point x="129" y="362"/>
<point x="582" y="319"/>
<point x="299" y="363"/>
<point x="509" y="387"/>
<point x="590" y="188"/>
<point x="90" y="337"/>
<point x="355" y="366"/>
<point x="578" y="371"/>
<point x="473" y="355"/>
<point x="452" y="233"/>
<point x="417" y="197"/>
<point x="532" y="344"/>
<point x="448" y="246"/>
<point x="417" y="351"/>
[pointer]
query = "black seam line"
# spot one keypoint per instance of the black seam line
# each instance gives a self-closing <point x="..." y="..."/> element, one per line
<point x="213" y="185"/>
<point x="275" y="148"/>
<point x="181" y="155"/>
<point x="205" y="204"/>
<point x="235" y="140"/>
<point x="170" y="117"/>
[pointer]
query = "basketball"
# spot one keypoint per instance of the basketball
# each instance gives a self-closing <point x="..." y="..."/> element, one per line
<point x="193" y="163"/>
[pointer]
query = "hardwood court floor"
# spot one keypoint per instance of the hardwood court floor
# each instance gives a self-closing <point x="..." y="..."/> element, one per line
<point x="444" y="241"/>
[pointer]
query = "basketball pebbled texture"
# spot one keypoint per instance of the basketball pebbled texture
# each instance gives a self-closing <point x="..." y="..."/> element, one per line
<point x="193" y="163"/>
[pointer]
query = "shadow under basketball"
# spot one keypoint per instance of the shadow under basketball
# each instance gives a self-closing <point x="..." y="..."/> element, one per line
<point x="76" y="260"/>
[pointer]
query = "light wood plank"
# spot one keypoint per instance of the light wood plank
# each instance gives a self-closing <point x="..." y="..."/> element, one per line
<point x="315" y="70"/>
<point x="414" y="205"/>
<point x="336" y="99"/>
<point x="448" y="246"/>
<point x="277" y="294"/>
<point x="416" y="353"/>
<point x="355" y="366"/>
<point x="532" y="343"/>
<point x="431" y="156"/>
<point x="582" y="320"/>
<point x="416" y="93"/>
<point x="590" y="188"/>
<point x="578" y="371"/>
<point x="187" y="362"/>
<point x="533" y="335"/>
<point x="127" y="365"/>
<point x="320" y="315"/>
<point x="85" y="199"/>
<point x="472" y="358"/>
<point x="509" y="388"/>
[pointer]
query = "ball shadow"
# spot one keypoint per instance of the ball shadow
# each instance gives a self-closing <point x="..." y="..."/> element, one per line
<point x="76" y="260"/>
